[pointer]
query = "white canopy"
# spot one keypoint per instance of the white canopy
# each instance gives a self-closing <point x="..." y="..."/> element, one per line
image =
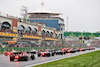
<point x="42" y="9"/>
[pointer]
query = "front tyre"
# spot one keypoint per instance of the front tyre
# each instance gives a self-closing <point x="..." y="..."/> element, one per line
<point x="6" y="54"/>
<point x="39" y="55"/>
<point x="56" y="53"/>
<point x="49" y="55"/>
<point x="52" y="54"/>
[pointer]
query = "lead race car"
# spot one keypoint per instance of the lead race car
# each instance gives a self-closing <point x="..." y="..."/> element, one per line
<point x="21" y="56"/>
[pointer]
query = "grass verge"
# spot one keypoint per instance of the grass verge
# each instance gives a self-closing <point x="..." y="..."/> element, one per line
<point x="85" y="60"/>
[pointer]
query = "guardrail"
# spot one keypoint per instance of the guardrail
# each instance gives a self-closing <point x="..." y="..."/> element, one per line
<point x="2" y="50"/>
<point x="25" y="36"/>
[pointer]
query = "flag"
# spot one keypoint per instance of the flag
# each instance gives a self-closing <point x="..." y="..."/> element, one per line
<point x="25" y="18"/>
<point x="7" y="15"/>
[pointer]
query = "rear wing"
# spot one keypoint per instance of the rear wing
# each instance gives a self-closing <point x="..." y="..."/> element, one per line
<point x="17" y="52"/>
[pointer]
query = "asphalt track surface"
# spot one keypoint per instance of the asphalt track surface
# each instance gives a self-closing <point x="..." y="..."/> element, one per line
<point x="5" y="62"/>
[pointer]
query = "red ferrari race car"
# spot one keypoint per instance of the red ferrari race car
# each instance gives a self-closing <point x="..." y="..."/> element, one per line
<point x="9" y="52"/>
<point x="82" y="49"/>
<point x="21" y="56"/>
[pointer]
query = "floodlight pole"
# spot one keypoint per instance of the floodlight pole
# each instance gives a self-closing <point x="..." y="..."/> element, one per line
<point x="67" y="23"/>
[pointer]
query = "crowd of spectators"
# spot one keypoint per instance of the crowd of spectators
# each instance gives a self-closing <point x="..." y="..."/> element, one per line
<point x="7" y="31"/>
<point x="95" y="43"/>
<point x="21" y="33"/>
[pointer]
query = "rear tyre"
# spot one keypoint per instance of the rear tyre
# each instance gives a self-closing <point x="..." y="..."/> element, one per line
<point x="11" y="58"/>
<point x="61" y="53"/>
<point x="64" y="52"/>
<point x="34" y="52"/>
<point x="26" y="59"/>
<point x="32" y="57"/>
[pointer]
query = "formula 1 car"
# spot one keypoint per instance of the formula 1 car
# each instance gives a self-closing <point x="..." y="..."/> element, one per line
<point x="77" y="50"/>
<point x="82" y="49"/>
<point x="21" y="56"/>
<point x="9" y="52"/>
<point x="93" y="48"/>
<point x="70" y="51"/>
<point x="53" y="50"/>
<point x="45" y="53"/>
<point x="33" y="51"/>
<point x="60" y="52"/>
<point x="67" y="50"/>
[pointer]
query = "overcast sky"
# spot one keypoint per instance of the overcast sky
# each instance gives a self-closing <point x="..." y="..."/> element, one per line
<point x="84" y="15"/>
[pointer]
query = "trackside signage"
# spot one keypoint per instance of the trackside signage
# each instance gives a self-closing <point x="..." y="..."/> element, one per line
<point x="81" y="34"/>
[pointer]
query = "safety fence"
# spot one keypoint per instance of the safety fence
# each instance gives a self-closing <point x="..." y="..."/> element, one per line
<point x="2" y="50"/>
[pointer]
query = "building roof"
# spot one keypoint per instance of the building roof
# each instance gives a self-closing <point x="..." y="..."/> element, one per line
<point x="42" y="9"/>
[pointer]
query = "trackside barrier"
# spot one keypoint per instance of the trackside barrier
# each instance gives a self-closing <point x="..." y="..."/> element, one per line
<point x="2" y="50"/>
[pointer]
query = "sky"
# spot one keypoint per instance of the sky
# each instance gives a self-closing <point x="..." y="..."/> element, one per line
<point x="83" y="15"/>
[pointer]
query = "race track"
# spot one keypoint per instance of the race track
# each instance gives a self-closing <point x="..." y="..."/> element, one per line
<point x="5" y="62"/>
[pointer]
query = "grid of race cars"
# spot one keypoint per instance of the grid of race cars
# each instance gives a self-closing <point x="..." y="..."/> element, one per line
<point x="22" y="56"/>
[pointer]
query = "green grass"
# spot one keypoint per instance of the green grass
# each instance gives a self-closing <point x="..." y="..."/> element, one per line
<point x="85" y="60"/>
